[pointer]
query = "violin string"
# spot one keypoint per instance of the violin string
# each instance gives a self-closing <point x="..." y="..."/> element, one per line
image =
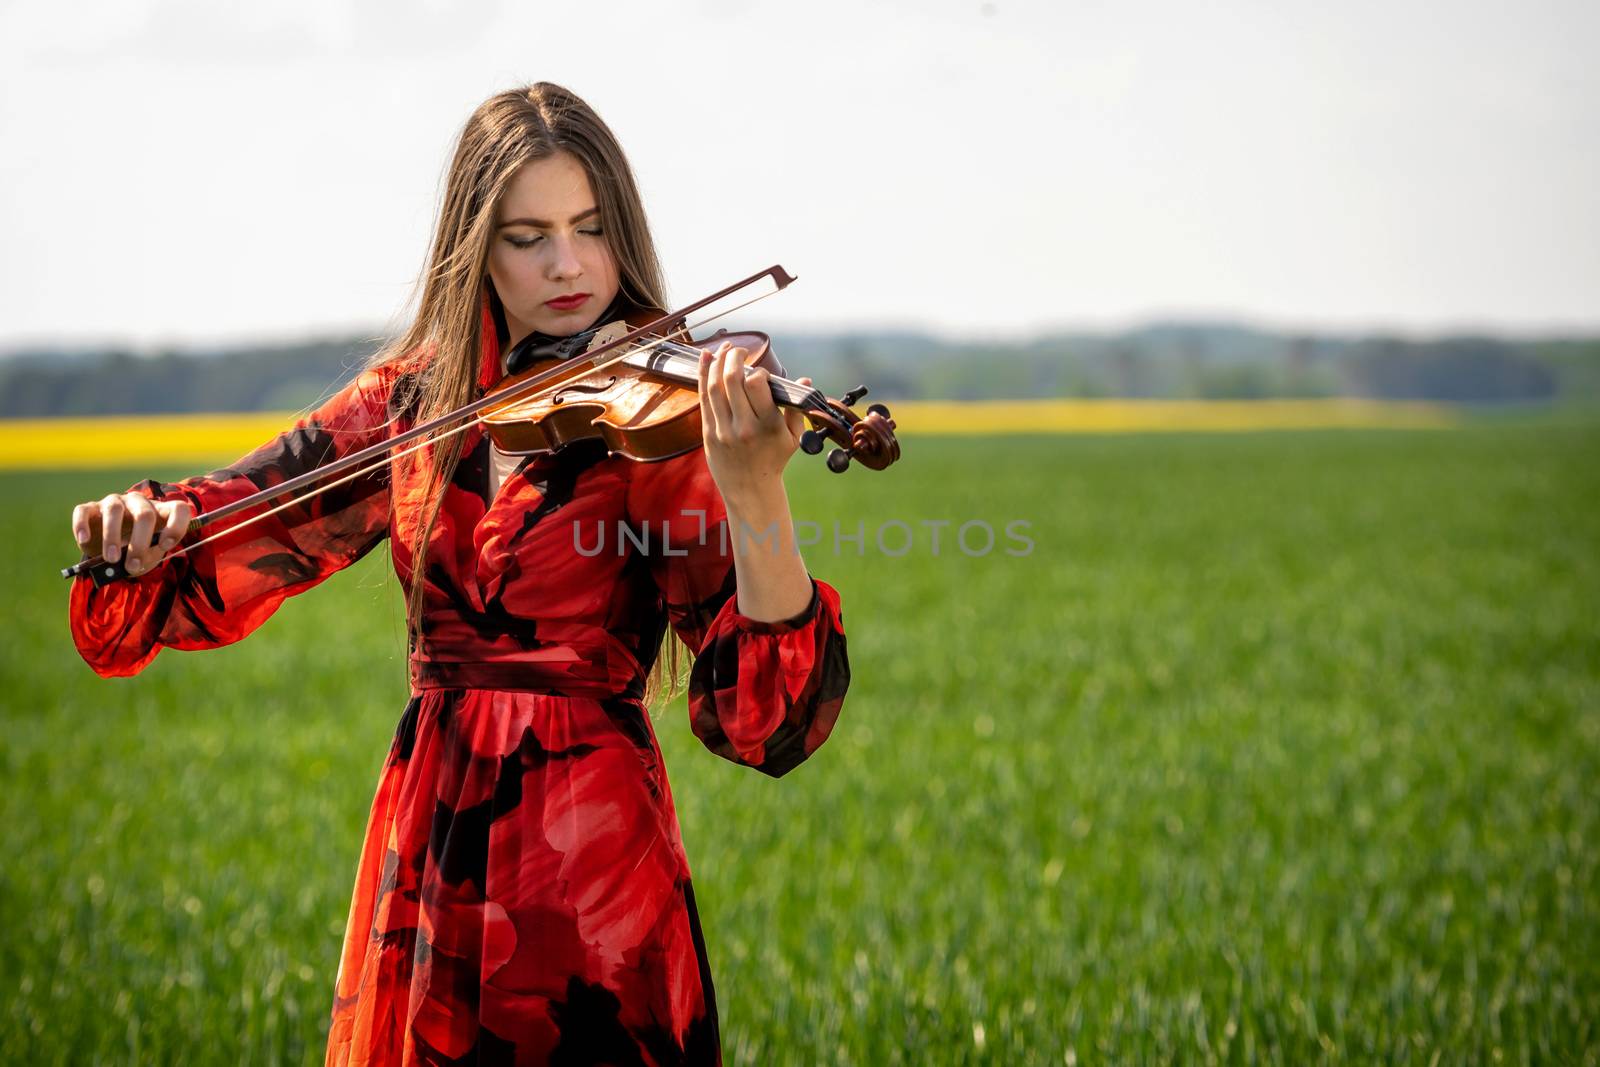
<point x="477" y="420"/>
<point x="797" y="392"/>
<point x="690" y="352"/>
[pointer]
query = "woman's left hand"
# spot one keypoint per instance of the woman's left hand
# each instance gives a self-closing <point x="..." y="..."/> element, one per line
<point x="748" y="437"/>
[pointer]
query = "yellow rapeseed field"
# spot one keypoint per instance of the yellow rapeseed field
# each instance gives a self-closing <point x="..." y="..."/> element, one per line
<point x="1137" y="416"/>
<point x="121" y="441"/>
<point x="124" y="441"/>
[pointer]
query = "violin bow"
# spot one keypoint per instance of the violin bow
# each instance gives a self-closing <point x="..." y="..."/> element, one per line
<point x="104" y="571"/>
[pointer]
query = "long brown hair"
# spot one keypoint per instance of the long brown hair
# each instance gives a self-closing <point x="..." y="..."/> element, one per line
<point x="504" y="133"/>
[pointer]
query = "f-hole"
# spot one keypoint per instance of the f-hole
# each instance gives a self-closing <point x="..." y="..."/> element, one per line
<point x="586" y="387"/>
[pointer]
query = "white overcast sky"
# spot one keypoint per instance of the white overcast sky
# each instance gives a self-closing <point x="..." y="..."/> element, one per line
<point x="205" y="171"/>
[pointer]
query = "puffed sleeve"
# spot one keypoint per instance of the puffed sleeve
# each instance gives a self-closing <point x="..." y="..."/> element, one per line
<point x="219" y="592"/>
<point x="763" y="694"/>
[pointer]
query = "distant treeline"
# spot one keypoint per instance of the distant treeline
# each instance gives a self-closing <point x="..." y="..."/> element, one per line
<point x="1178" y="360"/>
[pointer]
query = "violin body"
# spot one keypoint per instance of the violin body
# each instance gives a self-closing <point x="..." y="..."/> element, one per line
<point x="645" y="407"/>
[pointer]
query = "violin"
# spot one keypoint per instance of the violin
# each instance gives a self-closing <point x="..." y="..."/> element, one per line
<point x="646" y="405"/>
<point x="621" y="382"/>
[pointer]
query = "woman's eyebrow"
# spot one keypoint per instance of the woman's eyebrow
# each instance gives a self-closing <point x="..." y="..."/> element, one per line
<point x="547" y="225"/>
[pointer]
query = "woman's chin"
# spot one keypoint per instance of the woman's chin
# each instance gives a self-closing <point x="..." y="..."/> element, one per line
<point x="556" y="324"/>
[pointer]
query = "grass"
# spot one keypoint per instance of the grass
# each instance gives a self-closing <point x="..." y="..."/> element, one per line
<point x="1276" y="747"/>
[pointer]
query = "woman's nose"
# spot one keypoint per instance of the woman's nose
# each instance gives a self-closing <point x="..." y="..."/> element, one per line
<point x="564" y="262"/>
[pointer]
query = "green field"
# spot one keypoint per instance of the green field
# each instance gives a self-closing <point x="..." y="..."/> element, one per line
<point x="1278" y="747"/>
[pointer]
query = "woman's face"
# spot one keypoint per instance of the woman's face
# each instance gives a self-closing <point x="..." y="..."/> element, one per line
<point x="548" y="244"/>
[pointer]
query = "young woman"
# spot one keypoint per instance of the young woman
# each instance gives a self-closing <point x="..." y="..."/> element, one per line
<point x="522" y="893"/>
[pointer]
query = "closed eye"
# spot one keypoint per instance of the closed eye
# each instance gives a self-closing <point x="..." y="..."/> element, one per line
<point x="530" y="242"/>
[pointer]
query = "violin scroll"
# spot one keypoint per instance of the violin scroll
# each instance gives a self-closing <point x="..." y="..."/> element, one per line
<point x="868" y="439"/>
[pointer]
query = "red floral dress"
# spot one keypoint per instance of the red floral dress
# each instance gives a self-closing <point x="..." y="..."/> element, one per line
<point x="522" y="894"/>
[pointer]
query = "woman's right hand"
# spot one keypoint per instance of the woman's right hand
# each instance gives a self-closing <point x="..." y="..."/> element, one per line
<point x="127" y="523"/>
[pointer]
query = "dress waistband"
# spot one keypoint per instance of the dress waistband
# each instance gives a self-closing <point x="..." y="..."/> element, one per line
<point x="523" y="677"/>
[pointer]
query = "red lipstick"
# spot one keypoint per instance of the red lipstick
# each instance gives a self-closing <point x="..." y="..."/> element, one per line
<point x="567" y="303"/>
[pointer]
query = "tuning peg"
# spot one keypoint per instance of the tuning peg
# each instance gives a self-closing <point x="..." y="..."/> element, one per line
<point x="811" y="442"/>
<point x="853" y="395"/>
<point x="877" y="409"/>
<point x="838" y="460"/>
